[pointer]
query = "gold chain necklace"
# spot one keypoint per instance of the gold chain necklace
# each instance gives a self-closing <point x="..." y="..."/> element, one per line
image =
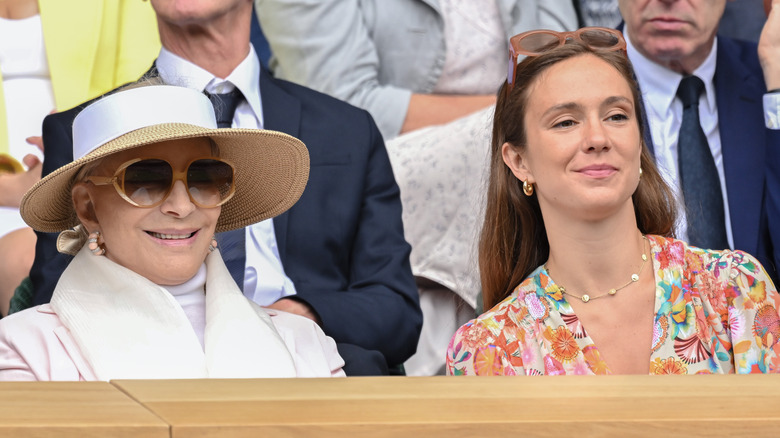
<point x="586" y="297"/>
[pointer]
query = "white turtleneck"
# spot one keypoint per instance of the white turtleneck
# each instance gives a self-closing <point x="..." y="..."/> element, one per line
<point x="191" y="296"/>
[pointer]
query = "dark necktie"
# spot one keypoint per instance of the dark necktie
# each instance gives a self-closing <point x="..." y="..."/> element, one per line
<point x="225" y="106"/>
<point x="698" y="174"/>
<point x="232" y="244"/>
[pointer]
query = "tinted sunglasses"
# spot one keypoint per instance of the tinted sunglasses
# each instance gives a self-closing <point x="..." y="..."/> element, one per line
<point x="147" y="182"/>
<point x="537" y="42"/>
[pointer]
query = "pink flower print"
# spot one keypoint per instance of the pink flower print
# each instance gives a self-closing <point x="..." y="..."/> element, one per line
<point x="536" y="307"/>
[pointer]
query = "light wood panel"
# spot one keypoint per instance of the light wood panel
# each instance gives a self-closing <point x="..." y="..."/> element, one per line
<point x="466" y="406"/>
<point x="74" y="409"/>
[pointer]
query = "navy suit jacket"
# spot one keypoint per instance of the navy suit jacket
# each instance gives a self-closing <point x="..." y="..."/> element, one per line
<point x="746" y="144"/>
<point x="342" y="244"/>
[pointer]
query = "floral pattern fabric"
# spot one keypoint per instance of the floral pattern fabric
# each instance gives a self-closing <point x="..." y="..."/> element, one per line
<point x="716" y="312"/>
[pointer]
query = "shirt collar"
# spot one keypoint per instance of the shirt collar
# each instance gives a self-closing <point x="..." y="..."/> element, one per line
<point x="176" y="70"/>
<point x="659" y="84"/>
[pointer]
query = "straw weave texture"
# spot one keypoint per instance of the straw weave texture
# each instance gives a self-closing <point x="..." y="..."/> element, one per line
<point x="272" y="169"/>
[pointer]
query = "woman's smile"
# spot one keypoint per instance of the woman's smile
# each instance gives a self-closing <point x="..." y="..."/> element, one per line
<point x="598" y="171"/>
<point x="172" y="235"/>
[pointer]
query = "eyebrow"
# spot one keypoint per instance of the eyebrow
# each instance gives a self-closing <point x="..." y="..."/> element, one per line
<point x="573" y="106"/>
<point x="616" y="99"/>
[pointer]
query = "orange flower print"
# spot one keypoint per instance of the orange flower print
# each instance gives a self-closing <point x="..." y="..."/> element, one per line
<point x="594" y="360"/>
<point x="766" y="325"/>
<point x="476" y="336"/>
<point x="660" y="332"/>
<point x="488" y="361"/>
<point x="756" y="289"/>
<point x="667" y="366"/>
<point x="564" y="346"/>
<point x="710" y="287"/>
<point x="693" y="262"/>
<point x="663" y="259"/>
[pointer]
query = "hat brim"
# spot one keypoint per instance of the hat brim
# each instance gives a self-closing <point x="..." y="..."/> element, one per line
<point x="272" y="169"/>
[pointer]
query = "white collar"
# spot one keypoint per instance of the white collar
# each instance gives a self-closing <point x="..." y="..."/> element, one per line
<point x="130" y="328"/>
<point x="660" y="83"/>
<point x="176" y="70"/>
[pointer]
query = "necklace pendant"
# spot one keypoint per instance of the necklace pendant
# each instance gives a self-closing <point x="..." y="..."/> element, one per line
<point x="585" y="298"/>
<point x="634" y="277"/>
<point x="612" y="291"/>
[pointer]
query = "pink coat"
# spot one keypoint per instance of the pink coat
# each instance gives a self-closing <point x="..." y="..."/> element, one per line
<point x="34" y="345"/>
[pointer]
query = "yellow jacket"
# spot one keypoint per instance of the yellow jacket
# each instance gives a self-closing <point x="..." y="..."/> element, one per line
<point x="92" y="47"/>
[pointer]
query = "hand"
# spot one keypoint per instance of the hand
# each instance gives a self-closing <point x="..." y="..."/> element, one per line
<point x="13" y="186"/>
<point x="36" y="141"/>
<point x="296" y="307"/>
<point x="769" y="47"/>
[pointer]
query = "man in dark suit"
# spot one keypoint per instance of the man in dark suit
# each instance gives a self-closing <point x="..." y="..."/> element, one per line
<point x="672" y="40"/>
<point x="338" y="256"/>
<point x="769" y="54"/>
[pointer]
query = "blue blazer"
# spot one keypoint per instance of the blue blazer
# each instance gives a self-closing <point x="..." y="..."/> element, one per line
<point x="342" y="244"/>
<point x="746" y="144"/>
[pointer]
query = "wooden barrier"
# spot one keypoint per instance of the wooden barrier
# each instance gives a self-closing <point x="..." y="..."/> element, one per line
<point x="409" y="407"/>
<point x="74" y="409"/>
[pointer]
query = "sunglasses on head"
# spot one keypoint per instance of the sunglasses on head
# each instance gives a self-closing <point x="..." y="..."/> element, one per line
<point x="147" y="182"/>
<point x="537" y="42"/>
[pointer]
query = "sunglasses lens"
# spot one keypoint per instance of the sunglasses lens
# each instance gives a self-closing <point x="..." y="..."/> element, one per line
<point x="210" y="181"/>
<point x="600" y="39"/>
<point x="146" y="182"/>
<point x="538" y="42"/>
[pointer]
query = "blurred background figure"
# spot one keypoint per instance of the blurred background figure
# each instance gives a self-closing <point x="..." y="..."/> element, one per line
<point x="428" y="72"/>
<point x="742" y="20"/>
<point x="603" y="13"/>
<point x="703" y="95"/>
<point x="53" y="56"/>
<point x="769" y="55"/>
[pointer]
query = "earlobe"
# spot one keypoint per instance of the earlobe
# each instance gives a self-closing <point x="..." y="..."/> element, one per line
<point x="85" y="209"/>
<point x="514" y="160"/>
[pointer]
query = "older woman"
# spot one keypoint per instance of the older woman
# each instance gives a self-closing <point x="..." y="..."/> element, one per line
<point x="148" y="295"/>
<point x="578" y="267"/>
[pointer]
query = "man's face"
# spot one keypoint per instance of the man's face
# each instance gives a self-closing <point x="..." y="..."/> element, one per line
<point x="675" y="33"/>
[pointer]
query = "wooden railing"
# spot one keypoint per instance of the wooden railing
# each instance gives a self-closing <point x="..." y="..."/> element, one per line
<point x="657" y="406"/>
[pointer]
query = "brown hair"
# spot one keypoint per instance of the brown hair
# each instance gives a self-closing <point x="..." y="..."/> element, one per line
<point x="514" y="241"/>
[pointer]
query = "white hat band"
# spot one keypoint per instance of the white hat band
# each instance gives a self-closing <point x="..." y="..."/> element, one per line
<point x="123" y="112"/>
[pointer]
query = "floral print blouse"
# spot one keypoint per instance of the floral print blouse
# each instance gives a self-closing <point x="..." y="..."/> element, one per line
<point x="716" y="312"/>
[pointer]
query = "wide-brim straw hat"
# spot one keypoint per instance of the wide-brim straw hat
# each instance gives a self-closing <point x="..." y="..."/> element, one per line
<point x="271" y="168"/>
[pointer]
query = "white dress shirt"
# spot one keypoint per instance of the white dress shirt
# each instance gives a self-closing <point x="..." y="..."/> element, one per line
<point x="772" y="110"/>
<point x="262" y="253"/>
<point x="664" y="112"/>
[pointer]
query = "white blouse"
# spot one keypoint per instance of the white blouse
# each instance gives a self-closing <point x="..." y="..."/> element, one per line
<point x="29" y="96"/>
<point x="28" y="93"/>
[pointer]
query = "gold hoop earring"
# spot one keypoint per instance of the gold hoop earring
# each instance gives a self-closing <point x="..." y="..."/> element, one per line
<point x="94" y="245"/>
<point x="640" y="172"/>
<point x="528" y="189"/>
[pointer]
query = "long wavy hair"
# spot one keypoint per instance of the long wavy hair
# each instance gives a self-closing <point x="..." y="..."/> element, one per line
<point x="514" y="241"/>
